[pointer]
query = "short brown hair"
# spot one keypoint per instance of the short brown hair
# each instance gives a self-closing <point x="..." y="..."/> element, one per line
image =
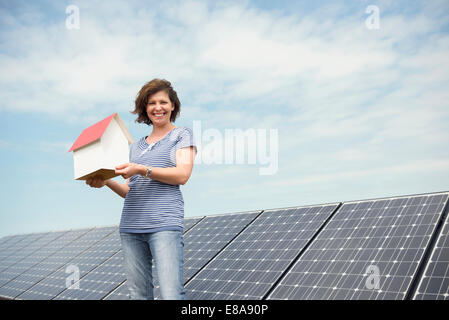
<point x="147" y="91"/>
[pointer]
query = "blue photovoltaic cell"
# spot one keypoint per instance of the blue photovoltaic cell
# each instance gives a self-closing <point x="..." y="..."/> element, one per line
<point x="434" y="284"/>
<point x="249" y="266"/>
<point x="81" y="265"/>
<point x="369" y="250"/>
<point x="75" y="243"/>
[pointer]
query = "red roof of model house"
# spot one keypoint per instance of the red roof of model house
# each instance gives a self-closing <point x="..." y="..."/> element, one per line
<point x="93" y="133"/>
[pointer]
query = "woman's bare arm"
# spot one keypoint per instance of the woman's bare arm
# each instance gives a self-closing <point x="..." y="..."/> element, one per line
<point x="120" y="188"/>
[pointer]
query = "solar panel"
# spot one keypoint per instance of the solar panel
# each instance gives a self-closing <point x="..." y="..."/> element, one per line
<point x="23" y="258"/>
<point x="7" y="241"/>
<point x="25" y="245"/>
<point x="82" y="264"/>
<point x="369" y="250"/>
<point x="5" y="244"/>
<point x="15" y="240"/>
<point x="434" y="284"/>
<point x="99" y="282"/>
<point x="249" y="266"/>
<point x="75" y="243"/>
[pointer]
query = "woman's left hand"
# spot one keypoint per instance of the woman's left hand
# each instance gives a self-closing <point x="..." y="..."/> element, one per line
<point x="127" y="170"/>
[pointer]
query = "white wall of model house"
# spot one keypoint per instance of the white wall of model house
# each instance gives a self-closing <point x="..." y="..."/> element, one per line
<point x="107" y="152"/>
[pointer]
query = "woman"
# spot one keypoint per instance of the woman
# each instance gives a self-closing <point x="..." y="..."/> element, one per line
<point x="152" y="218"/>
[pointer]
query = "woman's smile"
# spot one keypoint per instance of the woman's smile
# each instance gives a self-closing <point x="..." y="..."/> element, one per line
<point x="159" y="115"/>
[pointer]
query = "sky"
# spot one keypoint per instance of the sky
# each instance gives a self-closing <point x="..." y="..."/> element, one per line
<point x="339" y="101"/>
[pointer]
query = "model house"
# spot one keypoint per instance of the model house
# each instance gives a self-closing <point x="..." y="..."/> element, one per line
<point x="100" y="148"/>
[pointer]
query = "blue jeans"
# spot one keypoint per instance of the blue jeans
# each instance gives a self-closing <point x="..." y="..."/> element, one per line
<point x="166" y="249"/>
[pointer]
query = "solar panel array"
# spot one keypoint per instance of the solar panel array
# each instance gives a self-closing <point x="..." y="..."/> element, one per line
<point x="55" y="283"/>
<point x="250" y="265"/>
<point x="392" y="248"/>
<point x="36" y="261"/>
<point x="369" y="250"/>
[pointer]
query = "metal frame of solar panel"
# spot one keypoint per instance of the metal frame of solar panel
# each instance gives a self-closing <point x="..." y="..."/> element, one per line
<point x="370" y="249"/>
<point x="249" y="266"/>
<point x="434" y="284"/>
<point x="79" y="266"/>
<point x="73" y="243"/>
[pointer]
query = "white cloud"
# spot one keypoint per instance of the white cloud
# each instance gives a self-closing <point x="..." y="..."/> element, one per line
<point x="232" y="51"/>
<point x="319" y="78"/>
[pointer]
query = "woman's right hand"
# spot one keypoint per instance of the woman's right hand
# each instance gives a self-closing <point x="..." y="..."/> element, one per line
<point x="96" y="182"/>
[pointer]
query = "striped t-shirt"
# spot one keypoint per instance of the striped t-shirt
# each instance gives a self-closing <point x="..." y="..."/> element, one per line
<point x="150" y="205"/>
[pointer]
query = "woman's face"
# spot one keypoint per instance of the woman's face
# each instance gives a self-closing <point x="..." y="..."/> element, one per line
<point x="159" y="108"/>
